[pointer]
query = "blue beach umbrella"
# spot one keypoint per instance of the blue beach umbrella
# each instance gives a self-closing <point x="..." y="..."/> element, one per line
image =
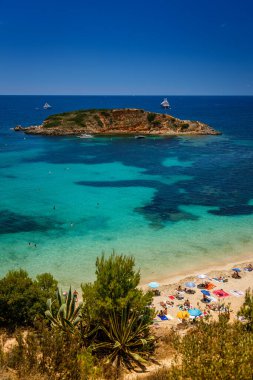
<point x="206" y="292"/>
<point x="153" y="285"/>
<point x="236" y="269"/>
<point x="190" y="285"/>
<point x="195" y="312"/>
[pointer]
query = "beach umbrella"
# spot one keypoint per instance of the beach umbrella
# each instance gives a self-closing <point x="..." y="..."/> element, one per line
<point x="236" y="269"/>
<point x="183" y="314"/>
<point x="195" y="312"/>
<point x="202" y="276"/>
<point x="153" y="285"/>
<point x="190" y="285"/>
<point x="206" y="292"/>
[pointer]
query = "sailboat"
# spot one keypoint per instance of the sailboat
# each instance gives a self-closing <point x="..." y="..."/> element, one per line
<point x="46" y="106"/>
<point x="165" y="103"/>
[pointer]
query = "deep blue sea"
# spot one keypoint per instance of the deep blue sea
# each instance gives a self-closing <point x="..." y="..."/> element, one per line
<point x="175" y="204"/>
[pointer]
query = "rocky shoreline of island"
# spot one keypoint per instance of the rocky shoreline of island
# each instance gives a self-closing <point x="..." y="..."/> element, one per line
<point x="115" y="122"/>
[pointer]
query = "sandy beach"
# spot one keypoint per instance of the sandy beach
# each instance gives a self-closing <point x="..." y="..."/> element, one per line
<point x="233" y="288"/>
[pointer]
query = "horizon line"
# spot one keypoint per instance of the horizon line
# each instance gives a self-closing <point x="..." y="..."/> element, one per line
<point x="162" y="95"/>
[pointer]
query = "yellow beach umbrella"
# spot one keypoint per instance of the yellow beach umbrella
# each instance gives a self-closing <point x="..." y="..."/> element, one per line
<point x="183" y="314"/>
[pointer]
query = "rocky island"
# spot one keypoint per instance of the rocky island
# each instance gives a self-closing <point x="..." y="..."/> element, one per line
<point x="117" y="122"/>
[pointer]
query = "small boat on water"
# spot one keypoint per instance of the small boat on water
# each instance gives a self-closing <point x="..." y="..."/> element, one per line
<point x="165" y="104"/>
<point x="139" y="137"/>
<point x="46" y="106"/>
<point x="85" y="136"/>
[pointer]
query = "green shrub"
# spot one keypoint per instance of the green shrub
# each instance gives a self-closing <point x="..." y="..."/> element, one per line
<point x="99" y="122"/>
<point x="156" y="123"/>
<point x="114" y="294"/>
<point x="247" y="310"/>
<point x="23" y="299"/>
<point x="46" y="352"/>
<point x="105" y="113"/>
<point x="211" y="350"/>
<point x="184" y="126"/>
<point x="52" y="124"/>
<point x="115" y="287"/>
<point x="151" y="117"/>
<point x="79" y="119"/>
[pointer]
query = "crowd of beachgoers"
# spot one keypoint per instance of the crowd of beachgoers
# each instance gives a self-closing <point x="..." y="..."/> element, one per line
<point x="195" y="297"/>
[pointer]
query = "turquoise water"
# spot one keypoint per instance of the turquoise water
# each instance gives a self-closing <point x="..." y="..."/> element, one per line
<point x="173" y="203"/>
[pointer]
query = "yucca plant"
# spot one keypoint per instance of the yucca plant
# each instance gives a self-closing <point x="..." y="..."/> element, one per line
<point x="127" y="340"/>
<point x="68" y="315"/>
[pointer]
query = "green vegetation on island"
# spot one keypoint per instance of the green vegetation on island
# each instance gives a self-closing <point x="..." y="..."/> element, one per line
<point x="111" y="331"/>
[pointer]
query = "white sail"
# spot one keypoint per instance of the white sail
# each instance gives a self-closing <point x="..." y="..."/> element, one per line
<point x="165" y="103"/>
<point x="46" y="106"/>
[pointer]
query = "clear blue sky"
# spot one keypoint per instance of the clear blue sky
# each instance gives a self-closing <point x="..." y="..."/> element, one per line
<point x="181" y="47"/>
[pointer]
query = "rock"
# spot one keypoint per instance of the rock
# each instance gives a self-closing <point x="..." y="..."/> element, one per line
<point x="117" y="122"/>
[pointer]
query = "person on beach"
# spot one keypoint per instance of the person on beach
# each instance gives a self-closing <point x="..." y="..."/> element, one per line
<point x="187" y="304"/>
<point x="236" y="275"/>
<point x="205" y="299"/>
<point x="75" y="294"/>
<point x="180" y="295"/>
<point x="161" y="313"/>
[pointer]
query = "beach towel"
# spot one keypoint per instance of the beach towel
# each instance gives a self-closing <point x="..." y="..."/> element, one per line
<point x="212" y="299"/>
<point x="163" y="317"/>
<point x="171" y="297"/>
<point x="237" y="293"/>
<point x="210" y="286"/>
<point x="222" y="280"/>
<point x="220" y="293"/>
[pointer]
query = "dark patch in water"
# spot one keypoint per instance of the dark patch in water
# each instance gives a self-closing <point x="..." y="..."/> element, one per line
<point x="121" y="183"/>
<point x="10" y="176"/>
<point x="233" y="211"/>
<point x="11" y="222"/>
